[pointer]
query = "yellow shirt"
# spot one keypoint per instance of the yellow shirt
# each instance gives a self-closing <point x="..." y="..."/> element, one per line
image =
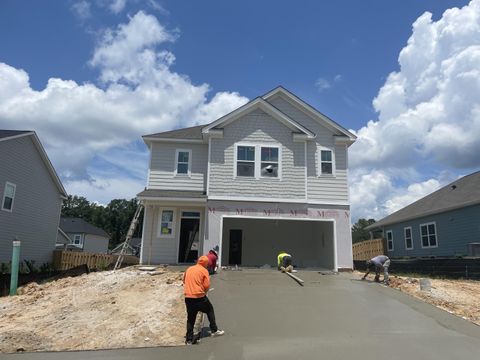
<point x="280" y="258"/>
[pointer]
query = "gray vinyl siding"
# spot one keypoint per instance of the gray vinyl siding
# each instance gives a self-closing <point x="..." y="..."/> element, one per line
<point x="322" y="188"/>
<point x="162" y="167"/>
<point x="455" y="229"/>
<point x="257" y="127"/>
<point x="37" y="204"/>
<point x="95" y="244"/>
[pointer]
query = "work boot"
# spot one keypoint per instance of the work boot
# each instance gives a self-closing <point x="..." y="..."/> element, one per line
<point x="289" y="268"/>
<point x="282" y="269"/>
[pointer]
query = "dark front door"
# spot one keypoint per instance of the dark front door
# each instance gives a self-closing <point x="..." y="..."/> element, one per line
<point x="235" y="252"/>
<point x="188" y="247"/>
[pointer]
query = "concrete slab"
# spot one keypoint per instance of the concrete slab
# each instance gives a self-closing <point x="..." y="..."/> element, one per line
<point x="266" y="315"/>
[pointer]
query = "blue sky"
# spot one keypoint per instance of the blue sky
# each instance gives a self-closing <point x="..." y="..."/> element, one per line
<point x="336" y="55"/>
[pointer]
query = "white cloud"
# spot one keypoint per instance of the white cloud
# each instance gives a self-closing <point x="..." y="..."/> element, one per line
<point x="140" y="95"/>
<point x="117" y="6"/>
<point x="430" y="108"/>
<point x="82" y="9"/>
<point x="375" y="194"/>
<point x="429" y="116"/>
<point x="322" y="84"/>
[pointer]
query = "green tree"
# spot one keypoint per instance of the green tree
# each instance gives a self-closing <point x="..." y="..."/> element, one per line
<point x="358" y="230"/>
<point x="115" y="218"/>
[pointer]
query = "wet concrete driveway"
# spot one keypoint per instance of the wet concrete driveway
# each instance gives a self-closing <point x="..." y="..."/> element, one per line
<point x="267" y="315"/>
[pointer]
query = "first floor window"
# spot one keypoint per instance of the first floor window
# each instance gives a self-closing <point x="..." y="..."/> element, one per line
<point x="167" y="222"/>
<point x="269" y="164"/>
<point x="246" y="161"/>
<point x="428" y="233"/>
<point x="408" y="238"/>
<point x="77" y="239"/>
<point x="389" y="240"/>
<point x="326" y="162"/>
<point x="8" y="196"/>
<point x="183" y="162"/>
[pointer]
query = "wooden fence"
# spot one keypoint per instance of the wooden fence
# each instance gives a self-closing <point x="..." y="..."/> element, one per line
<point x="64" y="260"/>
<point x="366" y="250"/>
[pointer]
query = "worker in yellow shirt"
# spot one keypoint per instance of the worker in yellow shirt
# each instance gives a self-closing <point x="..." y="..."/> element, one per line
<point x="284" y="262"/>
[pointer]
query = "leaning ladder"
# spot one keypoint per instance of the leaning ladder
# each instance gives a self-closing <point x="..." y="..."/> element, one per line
<point x="131" y="230"/>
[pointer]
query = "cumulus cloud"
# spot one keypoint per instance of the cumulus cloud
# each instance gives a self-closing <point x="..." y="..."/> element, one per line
<point x="140" y="94"/>
<point x="430" y="108"/>
<point x="82" y="9"/>
<point x="429" y="112"/>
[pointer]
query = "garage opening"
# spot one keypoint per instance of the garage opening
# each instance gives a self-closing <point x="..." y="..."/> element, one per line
<point x="256" y="242"/>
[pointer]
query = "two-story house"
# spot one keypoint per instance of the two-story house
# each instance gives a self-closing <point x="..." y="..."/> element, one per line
<point x="31" y="196"/>
<point x="270" y="176"/>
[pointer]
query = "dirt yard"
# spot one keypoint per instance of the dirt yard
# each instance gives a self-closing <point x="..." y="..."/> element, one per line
<point x="103" y="310"/>
<point x="459" y="297"/>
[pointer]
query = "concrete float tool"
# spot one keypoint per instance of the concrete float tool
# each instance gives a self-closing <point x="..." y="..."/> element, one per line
<point x="296" y="278"/>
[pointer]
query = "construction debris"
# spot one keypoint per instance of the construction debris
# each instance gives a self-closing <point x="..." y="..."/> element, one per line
<point x="100" y="310"/>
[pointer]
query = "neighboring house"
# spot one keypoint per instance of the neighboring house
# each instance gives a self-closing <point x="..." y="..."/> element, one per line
<point x="84" y="235"/>
<point x="31" y="196"/>
<point x="133" y="247"/>
<point x="444" y="223"/>
<point x="269" y="176"/>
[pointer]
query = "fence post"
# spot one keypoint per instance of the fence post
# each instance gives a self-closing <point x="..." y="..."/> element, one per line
<point x="14" y="269"/>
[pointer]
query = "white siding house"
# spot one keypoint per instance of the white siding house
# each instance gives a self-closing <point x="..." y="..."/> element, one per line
<point x="269" y="176"/>
<point x="31" y="197"/>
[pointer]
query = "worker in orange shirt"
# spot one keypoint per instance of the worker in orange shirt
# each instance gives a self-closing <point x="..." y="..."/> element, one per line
<point x="196" y="283"/>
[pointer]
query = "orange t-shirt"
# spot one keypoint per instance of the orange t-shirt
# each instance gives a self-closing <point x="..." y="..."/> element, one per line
<point x="196" y="281"/>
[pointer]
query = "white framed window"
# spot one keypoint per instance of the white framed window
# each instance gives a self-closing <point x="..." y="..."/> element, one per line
<point x="257" y="160"/>
<point x="245" y="161"/>
<point x="166" y="228"/>
<point x="389" y="234"/>
<point x="428" y="235"/>
<point x="8" y="196"/>
<point x="269" y="161"/>
<point x="77" y="240"/>
<point x="408" y="238"/>
<point x="326" y="162"/>
<point x="183" y="162"/>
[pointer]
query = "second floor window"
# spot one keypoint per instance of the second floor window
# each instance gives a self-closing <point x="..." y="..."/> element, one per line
<point x="182" y="165"/>
<point x="8" y="196"/>
<point x="326" y="162"/>
<point x="269" y="165"/>
<point x="246" y="161"/>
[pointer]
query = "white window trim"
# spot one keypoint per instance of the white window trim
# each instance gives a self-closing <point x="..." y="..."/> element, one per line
<point x="80" y="243"/>
<point x="428" y="234"/>
<point x="386" y="235"/>
<point x="405" y="237"/>
<point x="258" y="160"/>
<point x="5" y="195"/>
<point x="175" y="171"/>
<point x="174" y="224"/>
<point x="319" y="162"/>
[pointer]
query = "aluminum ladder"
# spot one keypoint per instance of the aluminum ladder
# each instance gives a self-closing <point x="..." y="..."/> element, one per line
<point x="131" y="230"/>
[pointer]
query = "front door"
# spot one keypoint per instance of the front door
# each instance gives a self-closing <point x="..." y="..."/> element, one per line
<point x="235" y="249"/>
<point x="189" y="240"/>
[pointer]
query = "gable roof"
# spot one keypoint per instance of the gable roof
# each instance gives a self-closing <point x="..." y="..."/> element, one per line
<point x="310" y="110"/>
<point x="259" y="103"/>
<point x="190" y="133"/>
<point x="80" y="226"/>
<point x="6" y="135"/>
<point x="460" y="193"/>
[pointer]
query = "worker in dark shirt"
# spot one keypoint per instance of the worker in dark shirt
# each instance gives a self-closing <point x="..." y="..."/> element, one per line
<point x="380" y="263"/>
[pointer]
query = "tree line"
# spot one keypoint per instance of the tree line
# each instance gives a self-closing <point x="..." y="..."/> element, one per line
<point x="115" y="218"/>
